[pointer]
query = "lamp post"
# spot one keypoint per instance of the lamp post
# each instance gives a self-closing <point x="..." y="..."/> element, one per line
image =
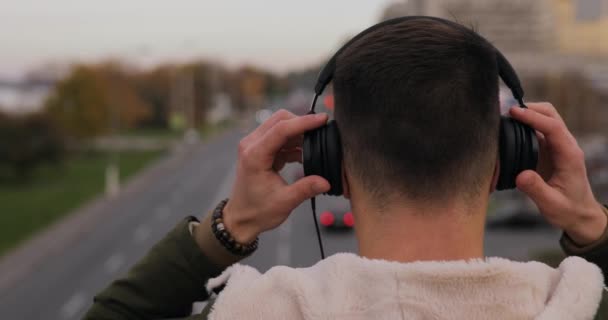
<point x="112" y="173"/>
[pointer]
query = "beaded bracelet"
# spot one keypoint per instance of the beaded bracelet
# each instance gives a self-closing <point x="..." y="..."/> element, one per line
<point x="225" y="238"/>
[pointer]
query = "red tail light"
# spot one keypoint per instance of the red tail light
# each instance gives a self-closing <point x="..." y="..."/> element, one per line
<point x="348" y="219"/>
<point x="327" y="218"/>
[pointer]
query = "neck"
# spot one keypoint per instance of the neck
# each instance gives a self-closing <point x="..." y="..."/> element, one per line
<point x="416" y="232"/>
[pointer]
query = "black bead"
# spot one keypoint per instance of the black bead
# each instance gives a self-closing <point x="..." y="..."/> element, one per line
<point x="225" y="238"/>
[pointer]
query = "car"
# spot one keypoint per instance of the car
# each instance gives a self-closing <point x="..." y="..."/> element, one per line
<point x="516" y="213"/>
<point x="337" y="214"/>
<point x="337" y="219"/>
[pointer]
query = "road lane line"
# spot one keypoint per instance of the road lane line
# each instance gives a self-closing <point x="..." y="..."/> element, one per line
<point x="114" y="263"/>
<point x="141" y="234"/>
<point x="283" y="245"/>
<point x="224" y="190"/>
<point x="73" y="305"/>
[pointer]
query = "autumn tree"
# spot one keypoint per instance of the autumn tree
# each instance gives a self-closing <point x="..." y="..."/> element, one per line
<point x="154" y="88"/>
<point x="577" y="100"/>
<point x="204" y="81"/>
<point x="93" y="99"/>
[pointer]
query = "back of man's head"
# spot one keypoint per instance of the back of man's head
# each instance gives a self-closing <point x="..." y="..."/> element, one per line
<point x="417" y="109"/>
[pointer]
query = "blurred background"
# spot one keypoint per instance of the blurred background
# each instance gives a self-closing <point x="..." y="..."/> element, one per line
<point x="119" y="118"/>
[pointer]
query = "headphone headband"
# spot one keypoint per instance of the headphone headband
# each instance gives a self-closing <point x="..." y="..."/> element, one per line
<point x="322" y="151"/>
<point x="505" y="70"/>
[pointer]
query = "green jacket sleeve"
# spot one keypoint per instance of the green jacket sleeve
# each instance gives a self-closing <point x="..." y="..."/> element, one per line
<point x="596" y="252"/>
<point x="165" y="283"/>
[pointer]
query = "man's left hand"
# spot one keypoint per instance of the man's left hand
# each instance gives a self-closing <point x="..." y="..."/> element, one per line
<point x="560" y="187"/>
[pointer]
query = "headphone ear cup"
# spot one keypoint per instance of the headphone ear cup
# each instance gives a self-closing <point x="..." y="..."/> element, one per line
<point x="333" y="159"/>
<point x="518" y="151"/>
<point x="530" y="148"/>
<point x="518" y="144"/>
<point x="311" y="153"/>
<point x="322" y="156"/>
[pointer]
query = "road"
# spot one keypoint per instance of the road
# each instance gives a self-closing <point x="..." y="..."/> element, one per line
<point x="62" y="286"/>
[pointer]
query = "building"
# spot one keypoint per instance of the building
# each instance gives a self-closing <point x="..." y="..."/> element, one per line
<point x="23" y="96"/>
<point x="558" y="47"/>
<point x="582" y="26"/>
<point x="567" y="26"/>
<point x="514" y="25"/>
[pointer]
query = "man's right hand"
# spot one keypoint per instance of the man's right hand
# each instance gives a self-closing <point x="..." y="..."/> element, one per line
<point x="560" y="187"/>
<point x="261" y="199"/>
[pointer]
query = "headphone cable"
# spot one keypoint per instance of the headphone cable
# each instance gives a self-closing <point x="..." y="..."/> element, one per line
<point x="314" y="217"/>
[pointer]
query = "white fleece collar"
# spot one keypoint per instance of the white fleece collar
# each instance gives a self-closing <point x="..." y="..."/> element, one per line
<point x="346" y="286"/>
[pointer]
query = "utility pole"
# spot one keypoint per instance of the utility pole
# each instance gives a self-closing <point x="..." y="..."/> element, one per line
<point x="191" y="135"/>
<point x="112" y="173"/>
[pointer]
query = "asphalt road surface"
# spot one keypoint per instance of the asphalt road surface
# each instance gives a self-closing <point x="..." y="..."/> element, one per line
<point x="62" y="287"/>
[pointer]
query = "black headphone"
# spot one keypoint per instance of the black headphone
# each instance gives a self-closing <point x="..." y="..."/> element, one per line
<point x="518" y="145"/>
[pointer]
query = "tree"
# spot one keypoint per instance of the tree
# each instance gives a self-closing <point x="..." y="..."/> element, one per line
<point x="26" y="141"/>
<point x="203" y="74"/>
<point x="154" y="88"/>
<point x="91" y="100"/>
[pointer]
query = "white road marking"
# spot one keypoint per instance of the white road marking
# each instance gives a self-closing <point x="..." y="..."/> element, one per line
<point x="141" y="233"/>
<point x="283" y="248"/>
<point x="224" y="190"/>
<point x="114" y="263"/>
<point x="162" y="213"/>
<point x="73" y="305"/>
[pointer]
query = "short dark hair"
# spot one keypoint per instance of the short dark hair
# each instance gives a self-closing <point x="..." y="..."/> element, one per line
<point x="417" y="108"/>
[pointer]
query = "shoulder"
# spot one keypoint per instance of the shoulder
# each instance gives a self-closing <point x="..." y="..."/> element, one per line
<point x="249" y="294"/>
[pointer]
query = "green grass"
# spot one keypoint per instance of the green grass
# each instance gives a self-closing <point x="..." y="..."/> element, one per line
<point x="154" y="133"/>
<point x="209" y="130"/>
<point x="205" y="131"/>
<point x="51" y="192"/>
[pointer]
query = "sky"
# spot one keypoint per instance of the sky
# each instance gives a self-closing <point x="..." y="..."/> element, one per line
<point x="275" y="34"/>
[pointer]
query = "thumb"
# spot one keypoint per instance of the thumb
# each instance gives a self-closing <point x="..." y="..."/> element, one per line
<point x="533" y="185"/>
<point x="303" y="189"/>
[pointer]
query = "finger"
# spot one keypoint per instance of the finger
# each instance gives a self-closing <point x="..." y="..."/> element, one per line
<point x="303" y="189"/>
<point x="542" y="141"/>
<point x="545" y="108"/>
<point x="281" y="133"/>
<point x="549" y="110"/>
<point x="295" y="142"/>
<point x="540" y="136"/>
<point x="270" y="122"/>
<point x="554" y="131"/>
<point x="537" y="189"/>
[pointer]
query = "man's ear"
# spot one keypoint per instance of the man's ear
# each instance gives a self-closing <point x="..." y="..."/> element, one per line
<point x="495" y="175"/>
<point x="345" y="186"/>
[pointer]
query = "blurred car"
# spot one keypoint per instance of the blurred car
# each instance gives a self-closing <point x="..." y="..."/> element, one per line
<point x="337" y="215"/>
<point x="337" y="219"/>
<point x="516" y="214"/>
